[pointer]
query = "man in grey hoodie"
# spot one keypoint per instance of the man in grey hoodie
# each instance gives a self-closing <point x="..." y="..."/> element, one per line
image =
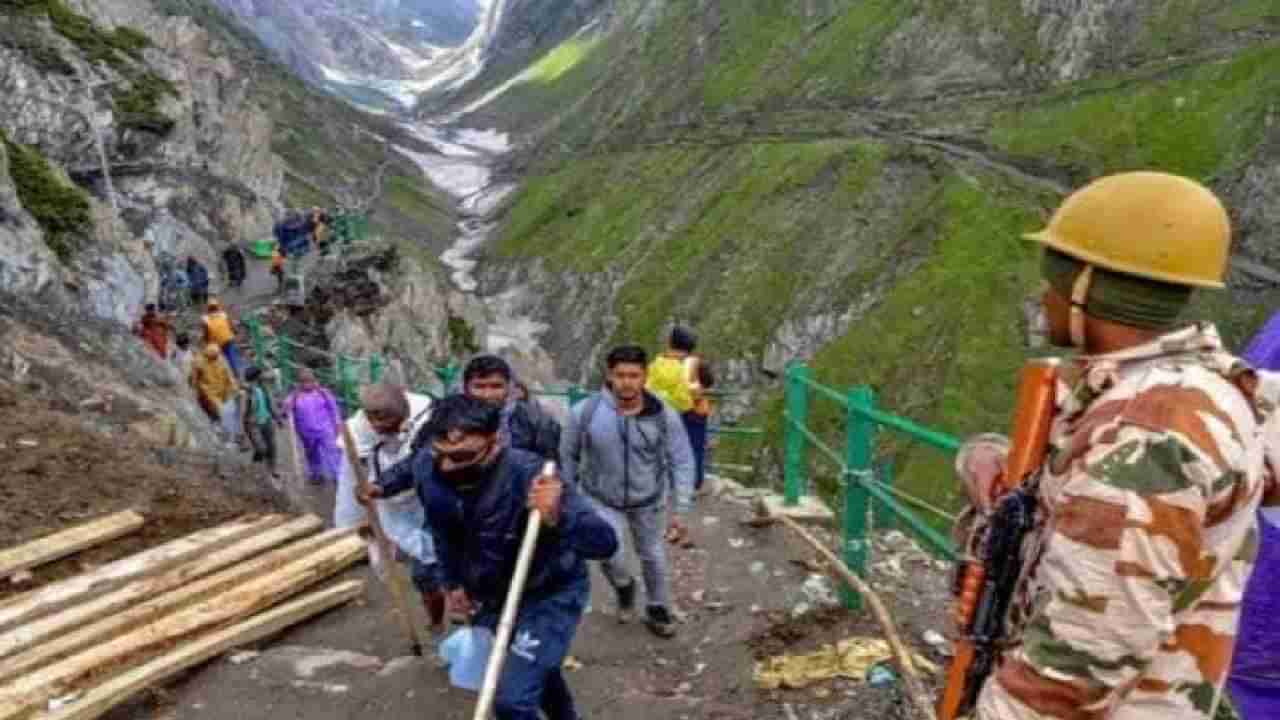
<point x="627" y="451"/>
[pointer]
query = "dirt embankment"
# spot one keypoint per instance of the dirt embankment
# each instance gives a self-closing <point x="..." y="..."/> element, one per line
<point x="55" y="472"/>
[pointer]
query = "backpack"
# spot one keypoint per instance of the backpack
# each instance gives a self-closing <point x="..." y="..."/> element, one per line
<point x="668" y="379"/>
<point x="218" y="327"/>
<point x="584" y="439"/>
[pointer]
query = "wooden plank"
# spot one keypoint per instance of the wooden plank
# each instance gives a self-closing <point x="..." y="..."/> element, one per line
<point x="33" y="689"/>
<point x="97" y="701"/>
<point x="69" y="541"/>
<point x="106" y="627"/>
<point x="42" y="631"/>
<point x="56" y="596"/>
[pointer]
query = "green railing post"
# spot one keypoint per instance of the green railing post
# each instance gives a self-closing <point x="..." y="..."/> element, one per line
<point x="345" y="381"/>
<point x="255" y="337"/>
<point x="447" y="375"/>
<point x="794" y="470"/>
<point x="884" y="517"/>
<point x="576" y="395"/>
<point x="859" y="449"/>
<point x="376" y="366"/>
<point x="283" y="363"/>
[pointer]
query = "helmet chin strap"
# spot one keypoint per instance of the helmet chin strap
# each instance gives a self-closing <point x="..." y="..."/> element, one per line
<point x="1079" y="298"/>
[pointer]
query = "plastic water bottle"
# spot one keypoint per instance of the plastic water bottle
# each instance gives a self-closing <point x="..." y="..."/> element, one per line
<point x="466" y="651"/>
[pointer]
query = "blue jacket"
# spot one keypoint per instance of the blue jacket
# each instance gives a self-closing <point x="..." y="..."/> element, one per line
<point x="197" y="276"/>
<point x="478" y="532"/>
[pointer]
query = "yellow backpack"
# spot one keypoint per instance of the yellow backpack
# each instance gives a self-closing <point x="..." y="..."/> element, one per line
<point x="218" y="328"/>
<point x="668" y="380"/>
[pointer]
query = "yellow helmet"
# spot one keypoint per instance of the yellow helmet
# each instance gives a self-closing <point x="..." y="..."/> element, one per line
<point x="1150" y="224"/>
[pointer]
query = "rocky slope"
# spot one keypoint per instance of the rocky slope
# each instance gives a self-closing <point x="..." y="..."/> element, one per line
<point x="206" y="139"/>
<point x="83" y="85"/>
<point x="847" y="184"/>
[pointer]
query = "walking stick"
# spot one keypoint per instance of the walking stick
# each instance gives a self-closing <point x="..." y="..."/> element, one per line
<point x="299" y="476"/>
<point x="498" y="656"/>
<point x="396" y="581"/>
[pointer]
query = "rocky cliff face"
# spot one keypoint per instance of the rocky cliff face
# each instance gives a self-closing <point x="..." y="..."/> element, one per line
<point x="191" y="163"/>
<point x="419" y="324"/>
<point x="191" y="170"/>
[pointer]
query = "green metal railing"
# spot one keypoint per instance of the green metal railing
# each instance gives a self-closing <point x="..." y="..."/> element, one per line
<point x="344" y="375"/>
<point x="868" y="495"/>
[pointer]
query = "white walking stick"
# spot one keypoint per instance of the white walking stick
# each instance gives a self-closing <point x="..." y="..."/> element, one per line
<point x="498" y="656"/>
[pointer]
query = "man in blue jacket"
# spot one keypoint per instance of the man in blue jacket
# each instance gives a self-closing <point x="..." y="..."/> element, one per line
<point x="477" y="494"/>
<point x="525" y="425"/>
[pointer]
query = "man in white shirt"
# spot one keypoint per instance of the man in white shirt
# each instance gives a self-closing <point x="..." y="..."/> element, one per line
<point x="383" y="431"/>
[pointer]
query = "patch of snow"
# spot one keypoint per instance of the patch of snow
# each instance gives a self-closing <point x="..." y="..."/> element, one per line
<point x="519" y="79"/>
<point x="305" y="661"/>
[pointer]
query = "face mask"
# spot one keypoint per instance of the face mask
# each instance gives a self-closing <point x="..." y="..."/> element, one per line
<point x="469" y="476"/>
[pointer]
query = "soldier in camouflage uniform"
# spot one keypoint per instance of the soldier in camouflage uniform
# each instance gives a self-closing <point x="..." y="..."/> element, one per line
<point x="1131" y="588"/>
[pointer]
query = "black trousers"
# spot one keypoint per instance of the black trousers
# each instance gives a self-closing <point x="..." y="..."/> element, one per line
<point x="263" y="439"/>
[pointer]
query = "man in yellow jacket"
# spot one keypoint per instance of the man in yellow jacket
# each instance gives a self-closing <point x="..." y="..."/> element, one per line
<point x="680" y="379"/>
<point x="219" y="330"/>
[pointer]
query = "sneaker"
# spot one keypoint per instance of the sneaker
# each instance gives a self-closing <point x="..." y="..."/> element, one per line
<point x="660" y="622"/>
<point x="627" y="602"/>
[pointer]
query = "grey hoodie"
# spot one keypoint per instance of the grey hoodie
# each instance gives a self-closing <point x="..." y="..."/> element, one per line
<point x="624" y="466"/>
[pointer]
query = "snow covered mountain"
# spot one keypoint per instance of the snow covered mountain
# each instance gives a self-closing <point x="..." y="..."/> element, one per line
<point x="378" y="53"/>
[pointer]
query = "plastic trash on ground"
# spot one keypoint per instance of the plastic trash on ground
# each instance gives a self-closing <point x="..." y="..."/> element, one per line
<point x="466" y="652"/>
<point x="852" y="658"/>
<point x="881" y="675"/>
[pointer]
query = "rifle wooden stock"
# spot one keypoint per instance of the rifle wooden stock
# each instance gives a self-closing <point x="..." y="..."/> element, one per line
<point x="1032" y="420"/>
<point x="957" y="678"/>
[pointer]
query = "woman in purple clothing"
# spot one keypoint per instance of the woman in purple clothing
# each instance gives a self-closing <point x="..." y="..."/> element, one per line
<point x="315" y="415"/>
<point x="1255" y="671"/>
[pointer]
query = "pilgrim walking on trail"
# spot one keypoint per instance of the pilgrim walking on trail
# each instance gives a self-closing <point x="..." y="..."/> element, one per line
<point x="629" y="454"/>
<point x="315" y="415"/>
<point x="478" y="493"/>
<point x="384" y="429"/>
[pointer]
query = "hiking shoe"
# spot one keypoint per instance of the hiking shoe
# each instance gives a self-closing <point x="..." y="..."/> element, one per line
<point x="627" y="602"/>
<point x="660" y="622"/>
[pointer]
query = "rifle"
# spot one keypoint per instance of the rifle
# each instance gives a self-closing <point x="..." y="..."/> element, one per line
<point x="984" y="586"/>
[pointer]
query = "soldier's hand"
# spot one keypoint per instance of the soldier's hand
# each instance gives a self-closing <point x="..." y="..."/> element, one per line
<point x="981" y="465"/>
<point x="544" y="496"/>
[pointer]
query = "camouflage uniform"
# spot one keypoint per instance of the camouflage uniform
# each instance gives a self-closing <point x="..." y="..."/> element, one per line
<point x="1147" y="533"/>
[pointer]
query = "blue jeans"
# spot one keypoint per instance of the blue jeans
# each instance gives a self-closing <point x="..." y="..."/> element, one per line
<point x="696" y="427"/>
<point x="532" y="680"/>
<point x="232" y="353"/>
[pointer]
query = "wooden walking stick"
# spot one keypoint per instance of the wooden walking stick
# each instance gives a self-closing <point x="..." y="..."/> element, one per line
<point x="498" y="656"/>
<point x="396" y="581"/>
<point x="901" y="652"/>
<point x="298" y="473"/>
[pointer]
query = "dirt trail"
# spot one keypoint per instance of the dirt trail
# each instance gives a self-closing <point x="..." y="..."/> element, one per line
<point x="738" y="586"/>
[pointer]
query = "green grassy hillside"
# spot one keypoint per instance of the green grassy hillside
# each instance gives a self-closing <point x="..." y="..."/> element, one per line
<point x="865" y="170"/>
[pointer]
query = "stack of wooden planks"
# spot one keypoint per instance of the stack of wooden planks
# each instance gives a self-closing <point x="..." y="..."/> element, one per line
<point x="73" y="649"/>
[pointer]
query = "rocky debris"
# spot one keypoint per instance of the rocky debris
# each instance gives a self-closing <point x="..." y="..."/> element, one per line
<point x="83" y="365"/>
